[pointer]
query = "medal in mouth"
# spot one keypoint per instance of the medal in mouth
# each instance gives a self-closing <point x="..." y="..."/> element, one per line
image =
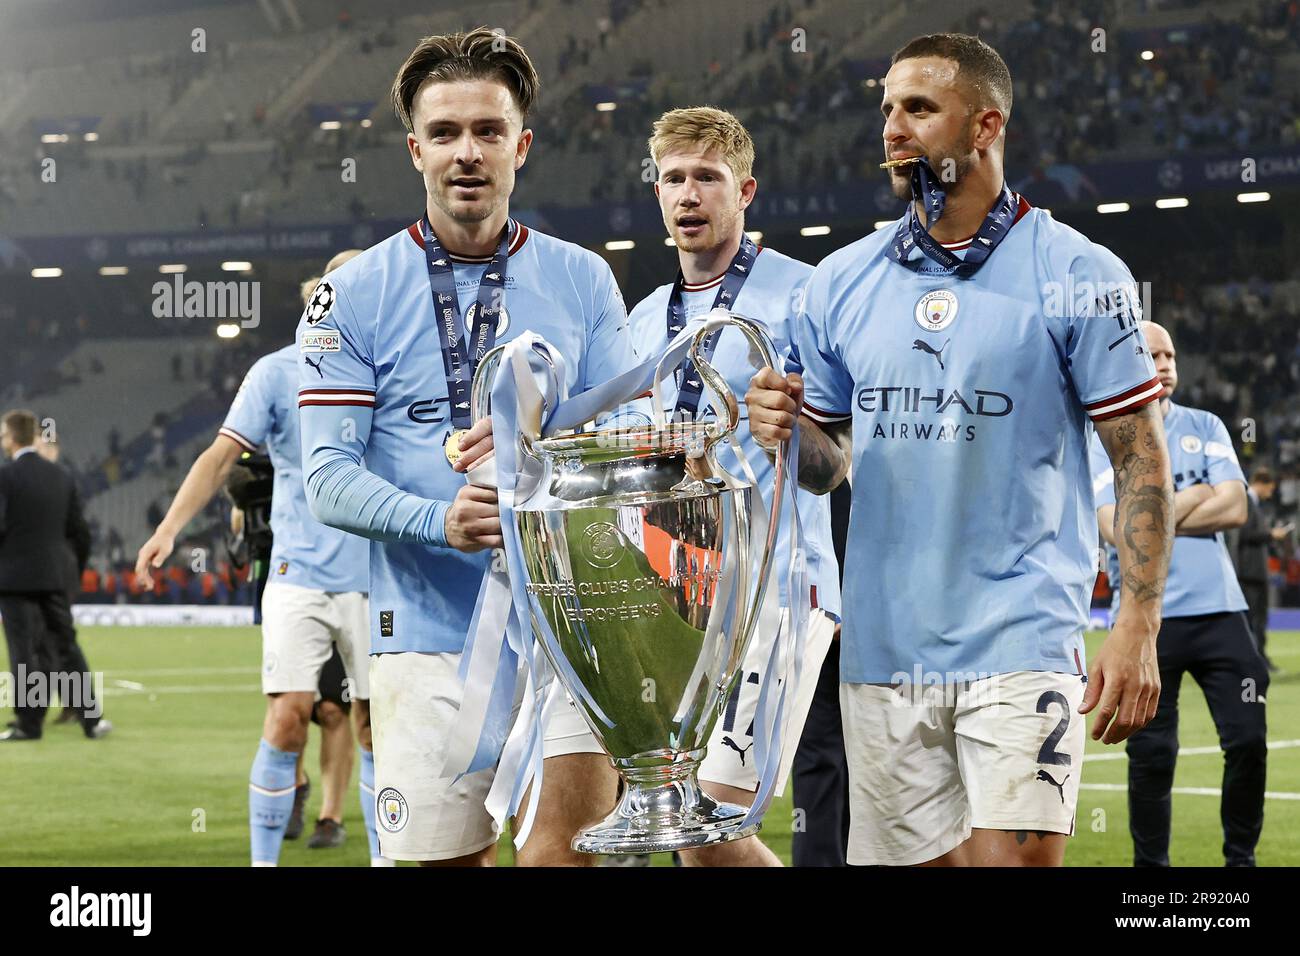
<point x="891" y="163"/>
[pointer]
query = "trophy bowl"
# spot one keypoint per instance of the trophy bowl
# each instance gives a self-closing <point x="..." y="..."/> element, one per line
<point x="638" y="557"/>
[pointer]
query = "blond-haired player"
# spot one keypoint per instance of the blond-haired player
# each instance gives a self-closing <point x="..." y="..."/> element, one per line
<point x="705" y="159"/>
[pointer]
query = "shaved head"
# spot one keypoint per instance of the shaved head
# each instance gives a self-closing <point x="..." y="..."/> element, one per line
<point x="1161" y="346"/>
<point x="1161" y="334"/>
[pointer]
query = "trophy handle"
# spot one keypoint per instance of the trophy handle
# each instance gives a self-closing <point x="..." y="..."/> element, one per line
<point x="762" y="354"/>
<point x="480" y="392"/>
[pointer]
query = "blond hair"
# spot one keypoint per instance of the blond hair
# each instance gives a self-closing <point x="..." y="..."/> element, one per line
<point x="307" y="288"/>
<point x="708" y="128"/>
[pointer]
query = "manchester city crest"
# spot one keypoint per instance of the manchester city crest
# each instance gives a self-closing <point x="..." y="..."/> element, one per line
<point x="936" y="310"/>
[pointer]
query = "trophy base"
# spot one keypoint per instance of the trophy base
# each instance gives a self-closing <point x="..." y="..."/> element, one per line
<point x="663" y="809"/>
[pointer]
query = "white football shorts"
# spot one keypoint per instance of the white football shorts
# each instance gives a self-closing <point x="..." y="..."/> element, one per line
<point x="419" y="814"/>
<point x="299" y="625"/>
<point x="929" y="763"/>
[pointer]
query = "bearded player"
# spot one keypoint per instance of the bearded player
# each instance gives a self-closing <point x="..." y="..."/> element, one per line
<point x="959" y="360"/>
<point x="463" y="271"/>
<point x="705" y="159"/>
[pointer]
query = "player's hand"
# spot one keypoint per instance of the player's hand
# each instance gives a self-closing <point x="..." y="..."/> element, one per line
<point x="475" y="445"/>
<point x="473" y="522"/>
<point x="1125" y="679"/>
<point x="154" y="552"/>
<point x="774" y="402"/>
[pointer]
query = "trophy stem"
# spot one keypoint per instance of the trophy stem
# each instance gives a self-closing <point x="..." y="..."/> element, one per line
<point x="662" y="808"/>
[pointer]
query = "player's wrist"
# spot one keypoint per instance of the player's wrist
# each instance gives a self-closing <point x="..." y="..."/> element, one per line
<point x="436" y="533"/>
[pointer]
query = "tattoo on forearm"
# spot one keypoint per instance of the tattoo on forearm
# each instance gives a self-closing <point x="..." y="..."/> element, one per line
<point x="823" y="455"/>
<point x="1144" y="508"/>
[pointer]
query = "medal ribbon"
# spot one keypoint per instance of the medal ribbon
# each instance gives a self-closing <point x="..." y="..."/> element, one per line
<point x="459" y="357"/>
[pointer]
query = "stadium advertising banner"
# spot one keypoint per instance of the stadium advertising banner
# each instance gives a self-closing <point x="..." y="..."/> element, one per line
<point x="1060" y="186"/>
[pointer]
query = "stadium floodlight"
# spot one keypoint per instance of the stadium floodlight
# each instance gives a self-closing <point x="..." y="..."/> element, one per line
<point x="869" y="82"/>
<point x="755" y="236"/>
<point x="227" y="330"/>
<point x="331" y="124"/>
<point x="91" y="137"/>
<point x="366" y="124"/>
<point x="1172" y="202"/>
<point x="1112" y="207"/>
<point x="882" y="223"/>
<point x="618" y="245"/>
<point x="815" y="231"/>
<point x="670" y="241"/>
<point x="1253" y="197"/>
<point x="52" y="272"/>
<point x="606" y="107"/>
<point x="54" y="137"/>
<point x="172" y="268"/>
<point x="112" y="270"/>
<point x="1148" y="55"/>
<point x="236" y="265"/>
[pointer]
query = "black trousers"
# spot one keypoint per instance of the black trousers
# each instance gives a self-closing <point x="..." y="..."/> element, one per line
<point x="38" y="629"/>
<point x="820" y="776"/>
<point x="1256" y="594"/>
<point x="1219" y="653"/>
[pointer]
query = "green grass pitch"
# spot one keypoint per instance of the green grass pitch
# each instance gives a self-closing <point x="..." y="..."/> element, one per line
<point x="169" y="786"/>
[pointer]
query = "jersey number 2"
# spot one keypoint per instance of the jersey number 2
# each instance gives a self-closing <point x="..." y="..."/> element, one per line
<point x="1048" y="754"/>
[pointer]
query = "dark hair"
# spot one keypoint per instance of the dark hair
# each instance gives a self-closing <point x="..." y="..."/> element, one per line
<point x="978" y="66"/>
<point x="1141" y="506"/>
<point x="22" y="427"/>
<point x="1263" y="475"/>
<point x="481" y="54"/>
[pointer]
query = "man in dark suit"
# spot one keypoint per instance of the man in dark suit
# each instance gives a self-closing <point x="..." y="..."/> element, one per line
<point x="40" y="515"/>
<point x="1253" y="541"/>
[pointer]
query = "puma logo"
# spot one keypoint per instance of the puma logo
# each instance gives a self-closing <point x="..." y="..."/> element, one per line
<point x="1046" y="777"/>
<point x="736" y="747"/>
<point x="315" y="365"/>
<point x="921" y="346"/>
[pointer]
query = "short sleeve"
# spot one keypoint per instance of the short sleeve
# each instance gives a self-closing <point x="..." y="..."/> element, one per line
<point x="336" y="366"/>
<point x="252" y="414"/>
<point x="1220" y="457"/>
<point x="1103" y="473"/>
<point x="828" y="387"/>
<point x="1107" y="355"/>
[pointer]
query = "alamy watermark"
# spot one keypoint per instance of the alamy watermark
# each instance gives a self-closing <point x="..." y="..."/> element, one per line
<point x="82" y="691"/>
<point x="209" y="300"/>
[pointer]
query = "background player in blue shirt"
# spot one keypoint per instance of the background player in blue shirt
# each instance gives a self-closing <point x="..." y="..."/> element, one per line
<point x="316" y="597"/>
<point x="954" y="360"/>
<point x="705" y="159"/>
<point x="464" y="272"/>
<point x="1203" y="631"/>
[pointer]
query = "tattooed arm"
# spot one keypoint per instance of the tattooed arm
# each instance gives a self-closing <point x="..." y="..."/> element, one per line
<point x="1185" y="502"/>
<point x="1123" y="677"/>
<point x="825" y="451"/>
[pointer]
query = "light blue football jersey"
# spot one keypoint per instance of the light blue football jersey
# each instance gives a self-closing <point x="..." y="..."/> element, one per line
<point x="972" y="542"/>
<point x="377" y="389"/>
<point x="1201" y="579"/>
<point x="770" y="295"/>
<point x="305" y="552"/>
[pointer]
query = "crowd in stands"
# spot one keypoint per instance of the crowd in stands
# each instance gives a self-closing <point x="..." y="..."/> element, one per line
<point x="1214" y="88"/>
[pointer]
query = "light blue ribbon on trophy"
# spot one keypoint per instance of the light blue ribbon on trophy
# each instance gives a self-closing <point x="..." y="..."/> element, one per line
<point x="500" y="639"/>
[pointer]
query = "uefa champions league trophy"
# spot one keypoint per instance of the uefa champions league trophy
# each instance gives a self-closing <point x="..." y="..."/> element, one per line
<point x="640" y="556"/>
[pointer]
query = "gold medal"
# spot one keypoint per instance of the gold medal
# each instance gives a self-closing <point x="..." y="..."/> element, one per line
<point x="452" y="448"/>
<point x="890" y="164"/>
